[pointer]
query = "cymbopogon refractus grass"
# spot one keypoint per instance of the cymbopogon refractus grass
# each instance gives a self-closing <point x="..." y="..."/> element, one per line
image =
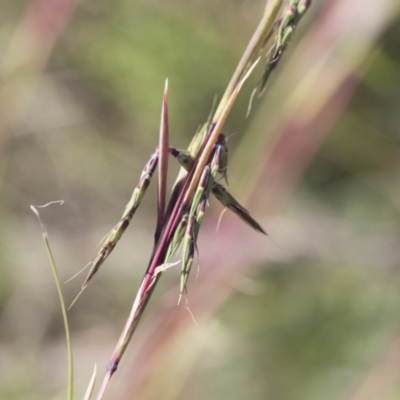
<point x="203" y="165"/>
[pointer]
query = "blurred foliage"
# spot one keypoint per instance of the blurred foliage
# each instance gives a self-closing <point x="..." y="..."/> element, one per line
<point x="306" y="335"/>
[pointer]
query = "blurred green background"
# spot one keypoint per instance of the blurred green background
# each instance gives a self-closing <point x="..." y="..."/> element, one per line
<point x="313" y="311"/>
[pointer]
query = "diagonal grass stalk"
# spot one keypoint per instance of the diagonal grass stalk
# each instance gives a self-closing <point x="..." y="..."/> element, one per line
<point x="151" y="277"/>
<point x="184" y="199"/>
<point x="90" y="388"/>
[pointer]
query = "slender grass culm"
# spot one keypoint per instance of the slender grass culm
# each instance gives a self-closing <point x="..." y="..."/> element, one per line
<point x="50" y="256"/>
<point x="203" y="165"/>
<point x="206" y="161"/>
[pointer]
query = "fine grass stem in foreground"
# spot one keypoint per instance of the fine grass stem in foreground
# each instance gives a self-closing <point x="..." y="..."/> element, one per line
<point x="61" y="298"/>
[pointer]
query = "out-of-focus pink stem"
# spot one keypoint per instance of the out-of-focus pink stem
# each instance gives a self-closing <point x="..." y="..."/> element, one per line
<point x="29" y="50"/>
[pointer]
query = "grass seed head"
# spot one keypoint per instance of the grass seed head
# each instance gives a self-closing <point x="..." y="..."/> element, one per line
<point x="232" y="204"/>
<point x="119" y="229"/>
<point x="178" y="237"/>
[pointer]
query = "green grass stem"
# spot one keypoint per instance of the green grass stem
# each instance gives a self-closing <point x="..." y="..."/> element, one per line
<point x="62" y="303"/>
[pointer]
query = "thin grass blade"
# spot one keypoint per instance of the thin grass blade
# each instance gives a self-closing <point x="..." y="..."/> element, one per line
<point x="188" y="247"/>
<point x="220" y="192"/>
<point x="178" y="237"/>
<point x="163" y="149"/>
<point x="62" y="304"/>
<point x="232" y="204"/>
<point x="90" y="388"/>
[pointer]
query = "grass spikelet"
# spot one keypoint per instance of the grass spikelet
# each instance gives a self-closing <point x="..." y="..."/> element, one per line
<point x="119" y="229"/>
<point x="163" y="148"/>
<point x="188" y="247"/>
<point x="198" y="208"/>
<point x="140" y="189"/>
<point x="90" y="388"/>
<point x="178" y="237"/>
<point x="184" y="158"/>
<point x="219" y="191"/>
<point x="232" y="204"/>
<point x="223" y="168"/>
<point x="189" y="241"/>
<point x="289" y="22"/>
